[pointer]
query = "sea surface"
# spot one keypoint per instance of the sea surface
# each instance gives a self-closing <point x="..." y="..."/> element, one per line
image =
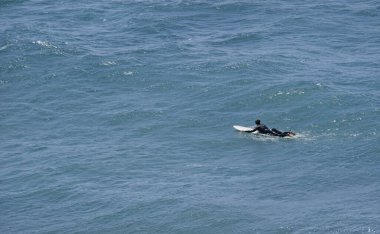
<point x="116" y="116"/>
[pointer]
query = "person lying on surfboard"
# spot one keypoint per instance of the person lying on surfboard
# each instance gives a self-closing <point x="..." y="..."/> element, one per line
<point x="263" y="129"/>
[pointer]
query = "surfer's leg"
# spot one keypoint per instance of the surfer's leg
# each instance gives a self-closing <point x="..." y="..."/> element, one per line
<point x="290" y="133"/>
<point x="284" y="134"/>
<point x="277" y="131"/>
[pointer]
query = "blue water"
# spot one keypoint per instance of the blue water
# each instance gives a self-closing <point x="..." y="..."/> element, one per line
<point x="116" y="116"/>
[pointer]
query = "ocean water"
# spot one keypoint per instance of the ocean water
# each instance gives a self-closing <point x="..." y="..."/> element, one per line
<point x="116" y="116"/>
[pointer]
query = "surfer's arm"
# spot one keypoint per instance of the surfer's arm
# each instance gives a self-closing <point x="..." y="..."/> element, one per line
<point x="254" y="129"/>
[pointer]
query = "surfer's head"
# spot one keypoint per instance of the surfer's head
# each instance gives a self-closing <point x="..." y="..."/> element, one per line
<point x="257" y="122"/>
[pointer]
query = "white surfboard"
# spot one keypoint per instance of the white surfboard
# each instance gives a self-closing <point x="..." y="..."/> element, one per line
<point x="242" y="128"/>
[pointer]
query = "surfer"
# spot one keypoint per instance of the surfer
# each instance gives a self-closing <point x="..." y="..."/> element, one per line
<point x="263" y="129"/>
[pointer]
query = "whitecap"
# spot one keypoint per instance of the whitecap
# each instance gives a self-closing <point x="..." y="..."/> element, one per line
<point x="4" y="47"/>
<point x="128" y="73"/>
<point x="108" y="63"/>
<point x="45" y="44"/>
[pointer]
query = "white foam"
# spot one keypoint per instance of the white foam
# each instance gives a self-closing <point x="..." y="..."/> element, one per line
<point x="4" y="47"/>
<point x="45" y="44"/>
<point x="127" y="73"/>
<point x="108" y="63"/>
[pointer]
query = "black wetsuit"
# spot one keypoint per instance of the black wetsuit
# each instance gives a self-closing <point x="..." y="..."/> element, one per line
<point x="263" y="129"/>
